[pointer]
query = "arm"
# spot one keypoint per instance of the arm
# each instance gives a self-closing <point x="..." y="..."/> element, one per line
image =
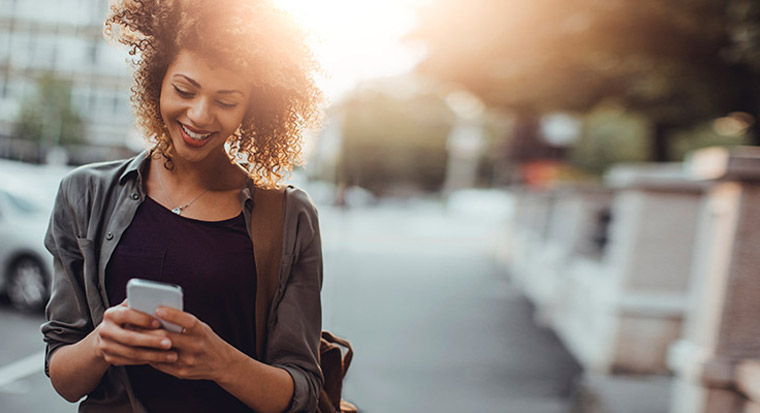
<point x="76" y="369"/>
<point x="272" y="387"/>
<point x="294" y="334"/>
<point x="77" y="355"/>
<point x="67" y="310"/>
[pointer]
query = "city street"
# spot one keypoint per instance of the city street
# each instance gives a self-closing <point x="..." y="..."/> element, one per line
<point x="435" y="324"/>
<point x="21" y="360"/>
<point x="524" y="207"/>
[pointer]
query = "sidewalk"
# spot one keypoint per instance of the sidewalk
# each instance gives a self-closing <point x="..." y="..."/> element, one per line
<point x="623" y="394"/>
<point x="434" y="321"/>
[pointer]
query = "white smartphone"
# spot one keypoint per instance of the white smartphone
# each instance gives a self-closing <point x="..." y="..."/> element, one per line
<point x="146" y="296"/>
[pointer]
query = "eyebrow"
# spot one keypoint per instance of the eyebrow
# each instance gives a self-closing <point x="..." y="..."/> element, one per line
<point x="198" y="85"/>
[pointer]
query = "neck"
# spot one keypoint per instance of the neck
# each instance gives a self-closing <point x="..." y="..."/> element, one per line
<point x="215" y="173"/>
<point x="205" y="174"/>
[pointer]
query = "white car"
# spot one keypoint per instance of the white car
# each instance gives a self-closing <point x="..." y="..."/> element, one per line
<point x="25" y="265"/>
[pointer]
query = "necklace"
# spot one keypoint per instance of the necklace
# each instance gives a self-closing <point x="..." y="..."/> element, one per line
<point x="176" y="210"/>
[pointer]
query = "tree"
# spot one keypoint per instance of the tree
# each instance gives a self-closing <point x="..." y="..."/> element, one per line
<point x="392" y="141"/>
<point x="48" y="117"/>
<point x="677" y="63"/>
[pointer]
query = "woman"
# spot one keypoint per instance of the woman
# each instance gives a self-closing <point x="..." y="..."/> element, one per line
<point x="217" y="85"/>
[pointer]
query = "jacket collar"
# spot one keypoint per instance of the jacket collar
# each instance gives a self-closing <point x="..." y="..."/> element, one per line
<point x="136" y="165"/>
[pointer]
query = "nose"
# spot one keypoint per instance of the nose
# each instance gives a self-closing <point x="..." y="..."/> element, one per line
<point x="201" y="113"/>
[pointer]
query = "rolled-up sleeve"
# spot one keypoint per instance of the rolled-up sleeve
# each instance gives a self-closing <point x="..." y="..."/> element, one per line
<point x="293" y="342"/>
<point x="67" y="314"/>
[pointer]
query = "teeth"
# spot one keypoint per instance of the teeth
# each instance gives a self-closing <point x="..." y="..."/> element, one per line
<point x="196" y="136"/>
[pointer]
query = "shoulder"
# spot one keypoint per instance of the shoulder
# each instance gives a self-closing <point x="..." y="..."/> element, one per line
<point x="96" y="176"/>
<point x="300" y="216"/>
<point x="95" y="172"/>
<point x="297" y="200"/>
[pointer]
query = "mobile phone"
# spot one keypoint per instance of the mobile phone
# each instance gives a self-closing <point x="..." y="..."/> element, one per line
<point x="146" y="296"/>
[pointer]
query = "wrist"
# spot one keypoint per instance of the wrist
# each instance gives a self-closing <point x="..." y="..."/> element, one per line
<point x="93" y="341"/>
<point x="229" y="365"/>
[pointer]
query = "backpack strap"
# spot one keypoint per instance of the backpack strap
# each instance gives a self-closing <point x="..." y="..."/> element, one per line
<point x="328" y="337"/>
<point x="266" y="234"/>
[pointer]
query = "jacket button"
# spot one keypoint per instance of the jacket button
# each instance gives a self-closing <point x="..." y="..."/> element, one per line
<point x="109" y="236"/>
<point x="134" y="196"/>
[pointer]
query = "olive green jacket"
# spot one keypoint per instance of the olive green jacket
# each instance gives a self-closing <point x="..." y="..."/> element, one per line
<point x="95" y="205"/>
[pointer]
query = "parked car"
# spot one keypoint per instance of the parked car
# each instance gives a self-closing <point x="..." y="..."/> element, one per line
<point x="25" y="265"/>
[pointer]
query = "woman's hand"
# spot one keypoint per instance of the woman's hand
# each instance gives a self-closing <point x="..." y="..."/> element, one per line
<point x="128" y="337"/>
<point x="202" y="354"/>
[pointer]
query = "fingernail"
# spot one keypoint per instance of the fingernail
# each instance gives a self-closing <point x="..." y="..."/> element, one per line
<point x="160" y="312"/>
<point x="166" y="343"/>
<point x="171" y="357"/>
<point x="155" y="324"/>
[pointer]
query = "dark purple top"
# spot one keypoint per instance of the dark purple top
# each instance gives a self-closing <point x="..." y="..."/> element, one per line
<point x="213" y="263"/>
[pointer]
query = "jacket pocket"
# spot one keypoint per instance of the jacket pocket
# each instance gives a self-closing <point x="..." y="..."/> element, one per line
<point x="89" y="261"/>
<point x="90" y="280"/>
<point x="85" y="246"/>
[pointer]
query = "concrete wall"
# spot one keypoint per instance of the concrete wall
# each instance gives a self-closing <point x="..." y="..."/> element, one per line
<point x="608" y="267"/>
<point x="674" y="289"/>
<point x="714" y="359"/>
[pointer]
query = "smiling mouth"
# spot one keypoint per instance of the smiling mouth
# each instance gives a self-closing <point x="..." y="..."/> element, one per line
<point x="193" y="135"/>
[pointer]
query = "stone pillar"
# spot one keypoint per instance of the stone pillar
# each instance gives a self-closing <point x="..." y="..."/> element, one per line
<point x="530" y="224"/>
<point x="722" y="329"/>
<point x="571" y="231"/>
<point x="623" y="311"/>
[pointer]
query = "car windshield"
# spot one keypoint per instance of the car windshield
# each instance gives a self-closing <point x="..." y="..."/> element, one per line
<point x="19" y="204"/>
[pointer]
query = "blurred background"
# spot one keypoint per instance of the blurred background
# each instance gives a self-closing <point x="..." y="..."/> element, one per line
<point x="526" y="206"/>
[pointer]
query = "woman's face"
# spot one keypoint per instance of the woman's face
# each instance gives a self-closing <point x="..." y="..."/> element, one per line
<point x="201" y="105"/>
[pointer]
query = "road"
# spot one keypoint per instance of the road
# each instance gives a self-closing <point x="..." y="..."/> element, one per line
<point x="435" y="324"/>
<point x="434" y="321"/>
<point x="20" y="345"/>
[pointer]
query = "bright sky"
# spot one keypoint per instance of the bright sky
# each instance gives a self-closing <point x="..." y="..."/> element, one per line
<point x="359" y="39"/>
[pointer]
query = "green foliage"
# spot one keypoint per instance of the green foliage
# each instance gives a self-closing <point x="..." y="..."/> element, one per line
<point x="678" y="62"/>
<point x="744" y="29"/>
<point x="391" y="142"/>
<point x="702" y="136"/>
<point x="48" y="117"/>
<point x="663" y="58"/>
<point x="611" y="135"/>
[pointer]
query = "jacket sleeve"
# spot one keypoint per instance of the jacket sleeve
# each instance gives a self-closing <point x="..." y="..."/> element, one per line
<point x="67" y="314"/>
<point x="293" y="342"/>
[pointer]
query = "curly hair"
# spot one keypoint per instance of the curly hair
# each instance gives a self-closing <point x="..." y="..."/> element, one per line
<point x="251" y="36"/>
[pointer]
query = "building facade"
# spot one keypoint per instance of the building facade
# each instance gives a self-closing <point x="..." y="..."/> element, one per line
<point x="65" y="38"/>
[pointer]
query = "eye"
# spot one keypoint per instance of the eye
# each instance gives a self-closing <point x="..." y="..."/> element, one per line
<point x="183" y="93"/>
<point x="226" y="105"/>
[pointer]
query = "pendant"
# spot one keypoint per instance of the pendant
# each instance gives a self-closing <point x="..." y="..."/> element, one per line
<point x="177" y="210"/>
